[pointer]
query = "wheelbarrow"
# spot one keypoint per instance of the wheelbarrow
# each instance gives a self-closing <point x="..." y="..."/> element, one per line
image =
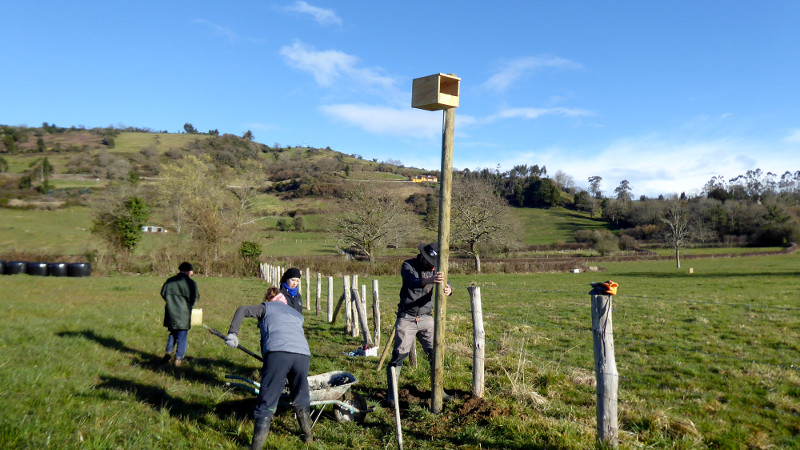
<point x="329" y="388"/>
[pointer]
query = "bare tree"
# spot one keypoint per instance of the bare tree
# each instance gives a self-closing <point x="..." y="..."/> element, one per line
<point x="479" y="216"/>
<point x="677" y="233"/>
<point x="371" y="218"/>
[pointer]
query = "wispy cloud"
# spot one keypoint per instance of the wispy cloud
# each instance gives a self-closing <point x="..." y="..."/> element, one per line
<point x="330" y="67"/>
<point x="385" y="120"/>
<point x="535" y="113"/>
<point x="514" y="69"/>
<point x="320" y="15"/>
<point x="793" y="137"/>
<point x="229" y="35"/>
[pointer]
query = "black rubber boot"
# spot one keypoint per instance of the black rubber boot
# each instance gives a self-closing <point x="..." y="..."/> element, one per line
<point x="260" y="432"/>
<point x="304" y="419"/>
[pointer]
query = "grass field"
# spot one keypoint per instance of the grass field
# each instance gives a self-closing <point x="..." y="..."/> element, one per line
<point x="707" y="360"/>
<point x="548" y="226"/>
<point x="63" y="231"/>
<point x="128" y="142"/>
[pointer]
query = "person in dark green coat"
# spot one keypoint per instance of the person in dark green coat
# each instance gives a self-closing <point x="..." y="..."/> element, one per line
<point x="180" y="294"/>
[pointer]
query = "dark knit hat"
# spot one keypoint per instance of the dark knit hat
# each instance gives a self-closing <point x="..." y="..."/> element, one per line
<point x="292" y="272"/>
<point x="430" y="252"/>
<point x="185" y="267"/>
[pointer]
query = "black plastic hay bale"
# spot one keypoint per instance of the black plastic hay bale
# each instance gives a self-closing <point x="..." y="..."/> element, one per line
<point x="2" y="267"/>
<point x="79" y="269"/>
<point x="15" y="267"/>
<point x="57" y="269"/>
<point x="36" y="268"/>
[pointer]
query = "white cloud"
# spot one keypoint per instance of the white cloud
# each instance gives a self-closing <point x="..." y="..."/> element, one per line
<point x="793" y="137"/>
<point x="535" y="113"/>
<point x="320" y="15"/>
<point x="330" y="67"/>
<point x="652" y="164"/>
<point x="515" y="69"/>
<point x="385" y="120"/>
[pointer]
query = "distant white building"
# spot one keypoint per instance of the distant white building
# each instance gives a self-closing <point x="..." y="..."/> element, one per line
<point x="154" y="229"/>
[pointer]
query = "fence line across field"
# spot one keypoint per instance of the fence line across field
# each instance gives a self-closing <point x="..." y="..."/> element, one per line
<point x="276" y="271"/>
<point x="353" y="300"/>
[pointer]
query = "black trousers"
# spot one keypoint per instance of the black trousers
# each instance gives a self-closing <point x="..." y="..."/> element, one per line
<point x="278" y="368"/>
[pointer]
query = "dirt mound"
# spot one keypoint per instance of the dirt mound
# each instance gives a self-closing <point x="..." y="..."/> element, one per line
<point x="481" y="409"/>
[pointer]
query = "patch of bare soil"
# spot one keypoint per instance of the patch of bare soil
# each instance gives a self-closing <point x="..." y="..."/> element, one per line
<point x="481" y="410"/>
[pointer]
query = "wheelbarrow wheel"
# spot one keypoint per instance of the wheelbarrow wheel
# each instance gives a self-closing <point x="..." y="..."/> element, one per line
<point x="356" y="401"/>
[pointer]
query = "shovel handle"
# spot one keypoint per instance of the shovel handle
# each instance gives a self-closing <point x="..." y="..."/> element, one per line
<point x="222" y="336"/>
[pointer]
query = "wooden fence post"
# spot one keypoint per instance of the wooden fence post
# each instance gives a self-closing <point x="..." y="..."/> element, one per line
<point x="319" y="293"/>
<point x="376" y="312"/>
<point x="348" y="313"/>
<point x="478" y="341"/>
<point x="308" y="289"/>
<point x="605" y="368"/>
<point x="354" y="330"/>
<point x="330" y="299"/>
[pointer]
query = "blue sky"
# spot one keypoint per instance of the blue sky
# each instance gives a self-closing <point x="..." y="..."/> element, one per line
<point x="663" y="94"/>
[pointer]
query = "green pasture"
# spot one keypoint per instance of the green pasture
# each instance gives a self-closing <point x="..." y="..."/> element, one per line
<point x="715" y="250"/>
<point x="21" y="163"/>
<point x="61" y="183"/>
<point x="129" y="142"/>
<point x="706" y="360"/>
<point x="62" y="231"/>
<point x="548" y="226"/>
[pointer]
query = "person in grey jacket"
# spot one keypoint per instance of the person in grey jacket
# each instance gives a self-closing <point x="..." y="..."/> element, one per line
<point x="180" y="295"/>
<point x="414" y="318"/>
<point x="286" y="355"/>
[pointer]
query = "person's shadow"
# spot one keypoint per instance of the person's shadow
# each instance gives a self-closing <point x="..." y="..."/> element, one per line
<point x="197" y="369"/>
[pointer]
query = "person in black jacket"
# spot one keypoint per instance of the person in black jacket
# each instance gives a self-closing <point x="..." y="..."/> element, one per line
<point x="180" y="295"/>
<point x="289" y="285"/>
<point x="414" y="312"/>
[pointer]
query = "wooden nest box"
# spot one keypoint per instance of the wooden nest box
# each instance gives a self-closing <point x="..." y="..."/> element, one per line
<point x="435" y="92"/>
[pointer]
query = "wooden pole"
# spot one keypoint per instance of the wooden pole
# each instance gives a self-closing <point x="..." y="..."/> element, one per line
<point x="362" y="318"/>
<point x="478" y="342"/>
<point x="605" y="368"/>
<point x="338" y="308"/>
<point x="308" y="289"/>
<point x="354" y="308"/>
<point x="446" y="187"/>
<point x="376" y="312"/>
<point x="386" y="349"/>
<point x="330" y="299"/>
<point x="319" y="294"/>
<point x="396" y="409"/>
<point x="348" y="307"/>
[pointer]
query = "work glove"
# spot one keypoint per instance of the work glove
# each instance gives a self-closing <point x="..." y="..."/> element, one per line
<point x="232" y="340"/>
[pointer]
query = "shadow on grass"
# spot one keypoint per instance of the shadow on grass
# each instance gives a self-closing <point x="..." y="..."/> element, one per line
<point x="195" y="369"/>
<point x="158" y="398"/>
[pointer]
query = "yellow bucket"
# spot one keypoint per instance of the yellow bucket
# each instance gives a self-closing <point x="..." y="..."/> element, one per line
<point x="197" y="316"/>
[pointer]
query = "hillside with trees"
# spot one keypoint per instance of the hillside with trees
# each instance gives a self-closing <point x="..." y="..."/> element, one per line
<point x="225" y="194"/>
